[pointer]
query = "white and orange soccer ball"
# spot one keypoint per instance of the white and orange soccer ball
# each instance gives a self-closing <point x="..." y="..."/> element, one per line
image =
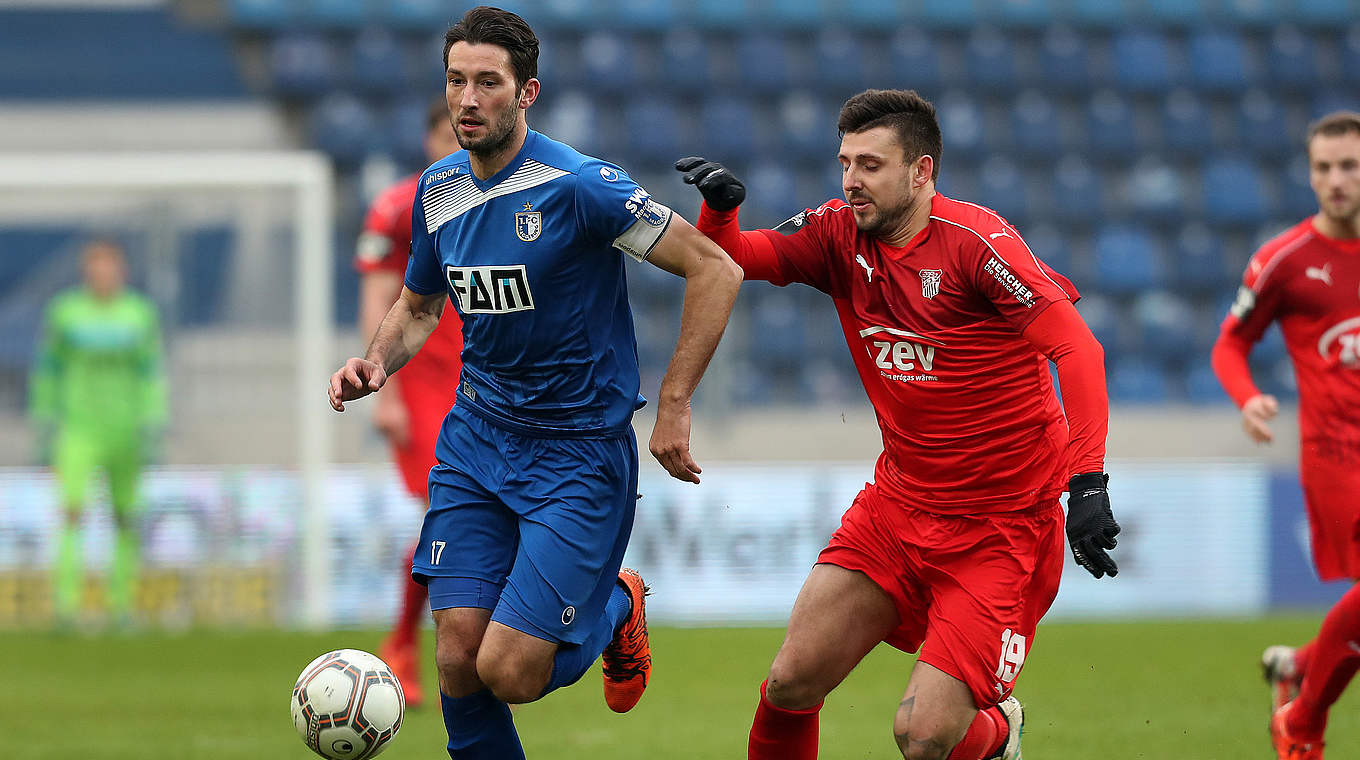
<point x="347" y="705"/>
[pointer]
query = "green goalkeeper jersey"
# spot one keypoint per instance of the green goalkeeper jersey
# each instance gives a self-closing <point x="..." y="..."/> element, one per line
<point x="99" y="367"/>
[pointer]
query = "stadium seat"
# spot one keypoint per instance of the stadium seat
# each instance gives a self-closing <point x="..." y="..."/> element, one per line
<point x="334" y="14"/>
<point x="1234" y="192"/>
<point x="807" y="126"/>
<point x="772" y="189"/>
<point x="260" y="15"/>
<point x="729" y="127"/>
<point x="1292" y="60"/>
<point x="302" y="65"/>
<point x="416" y="15"/>
<point x="1218" y="61"/>
<point x="1022" y="14"/>
<point x="610" y="62"/>
<point x="653" y="127"/>
<point x="1101" y="315"/>
<point x="1202" y="387"/>
<point x="404" y="135"/>
<point x="960" y="118"/>
<point x="581" y="15"/>
<point x="795" y="14"/>
<point x="1297" y="198"/>
<point x="1199" y="263"/>
<point x="1128" y="260"/>
<point x="1142" y="62"/>
<point x="872" y="15"/>
<point x="1048" y="244"/>
<point x="1261" y="14"/>
<point x="1349" y="67"/>
<point x="914" y="59"/>
<point x="1134" y="380"/>
<point x="1034" y="126"/>
<point x="684" y="61"/>
<point x="1065" y="62"/>
<point x="990" y="62"/>
<point x="345" y="128"/>
<point x="1078" y="192"/>
<point x="1156" y="192"/>
<point x="839" y="62"/>
<point x="1173" y="13"/>
<point x="1167" y="324"/>
<point x="1002" y="188"/>
<point x="1186" y="128"/>
<point x="1263" y="126"/>
<point x="643" y="15"/>
<point x="1099" y="14"/>
<point x="721" y="14"/>
<point x="1325" y="13"/>
<point x="777" y="340"/>
<point x="956" y="14"/>
<point x="379" y="62"/>
<point x="1111" y="131"/>
<point x="766" y="62"/>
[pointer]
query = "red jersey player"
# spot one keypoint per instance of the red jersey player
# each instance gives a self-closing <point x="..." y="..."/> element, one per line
<point x="1308" y="279"/>
<point x="955" y="549"/>
<point x="410" y="414"/>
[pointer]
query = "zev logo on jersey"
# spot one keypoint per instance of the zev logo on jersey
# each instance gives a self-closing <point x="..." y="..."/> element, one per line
<point x="490" y="289"/>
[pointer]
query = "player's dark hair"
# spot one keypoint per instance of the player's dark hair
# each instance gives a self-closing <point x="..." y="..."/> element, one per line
<point x="485" y="25"/>
<point x="908" y="114"/>
<point x="438" y="114"/>
<point x="1334" y="124"/>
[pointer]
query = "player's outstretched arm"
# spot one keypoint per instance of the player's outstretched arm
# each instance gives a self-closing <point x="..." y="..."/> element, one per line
<point x="1229" y="360"/>
<point x="403" y="331"/>
<point x="711" y="283"/>
<point x="378" y="290"/>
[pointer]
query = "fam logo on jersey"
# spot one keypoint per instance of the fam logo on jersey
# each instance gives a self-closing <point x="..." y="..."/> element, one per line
<point x="792" y="225"/>
<point x="1341" y="343"/>
<point x="641" y="205"/>
<point x="930" y="282"/>
<point x="490" y="289"/>
<point x="1009" y="281"/>
<point x="528" y="223"/>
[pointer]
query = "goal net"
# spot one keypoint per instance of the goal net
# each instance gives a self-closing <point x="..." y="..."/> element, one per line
<point x="242" y="519"/>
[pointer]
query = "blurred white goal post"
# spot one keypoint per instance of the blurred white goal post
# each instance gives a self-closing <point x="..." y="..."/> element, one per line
<point x="309" y="178"/>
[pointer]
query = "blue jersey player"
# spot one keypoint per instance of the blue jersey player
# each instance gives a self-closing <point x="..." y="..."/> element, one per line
<point x="532" y="499"/>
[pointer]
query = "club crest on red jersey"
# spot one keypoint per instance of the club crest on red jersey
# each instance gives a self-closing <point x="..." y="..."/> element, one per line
<point x="930" y="282"/>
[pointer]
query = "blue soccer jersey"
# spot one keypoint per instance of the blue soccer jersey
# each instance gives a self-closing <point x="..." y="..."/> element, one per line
<point x="531" y="259"/>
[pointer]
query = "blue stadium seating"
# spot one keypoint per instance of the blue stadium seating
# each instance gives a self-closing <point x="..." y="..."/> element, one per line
<point x="1186" y="126"/>
<point x="1252" y="13"/>
<point x="683" y="64"/>
<point x="721" y="14"/>
<point x="1128" y="260"/>
<point x="960" y="118"/>
<point x="990" y="61"/>
<point x="1078" y="192"/>
<point x="1297" y="198"/>
<point x="646" y="15"/>
<point x="653" y="129"/>
<point x="730" y="128"/>
<point x="1263" y="126"/>
<point x="1137" y="381"/>
<point x="1198" y="264"/>
<point x="610" y="62"/>
<point x="1202" y="387"/>
<point x="807" y="125"/>
<point x="1218" y="61"/>
<point x="1142" y="62"/>
<point x="1023" y="14"/>
<point x="914" y="59"/>
<point x="839" y="62"/>
<point x="1234" y="192"/>
<point x="1111" y="130"/>
<point x="955" y="14"/>
<point x="1048" y="244"/>
<point x="1292" y="60"/>
<point x="1002" y="188"/>
<point x="773" y="192"/>
<point x="1065" y="62"/>
<point x="1325" y="13"/>
<point x="379" y="61"/>
<point x="572" y="14"/>
<point x="875" y="15"/>
<point x="260" y="15"/>
<point x="404" y="133"/>
<point x="416" y="15"/>
<point x="344" y="127"/>
<point x="1173" y="12"/>
<point x="1167" y="324"/>
<point x="767" y="62"/>
<point x="345" y="15"/>
<point x="1101" y="315"/>
<point x="1156" y="192"/>
<point x="1099" y="14"/>
<point x="794" y="14"/>
<point x="303" y="65"/>
<point x="1034" y="126"/>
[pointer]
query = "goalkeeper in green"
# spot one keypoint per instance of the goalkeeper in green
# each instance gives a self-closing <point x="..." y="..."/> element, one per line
<point x="98" y="401"/>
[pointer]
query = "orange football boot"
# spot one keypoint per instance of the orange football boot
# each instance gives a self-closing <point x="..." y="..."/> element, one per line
<point x="628" y="658"/>
<point x="401" y="658"/>
<point x="1289" y="747"/>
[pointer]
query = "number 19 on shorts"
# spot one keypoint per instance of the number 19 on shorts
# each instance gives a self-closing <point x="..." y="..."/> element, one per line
<point x="1012" y="656"/>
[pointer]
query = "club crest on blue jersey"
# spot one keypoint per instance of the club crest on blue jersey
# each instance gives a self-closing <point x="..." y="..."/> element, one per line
<point x="528" y="224"/>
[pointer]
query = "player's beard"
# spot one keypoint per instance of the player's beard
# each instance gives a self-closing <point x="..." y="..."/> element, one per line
<point x="883" y="220"/>
<point x="1346" y="213"/>
<point x="500" y="130"/>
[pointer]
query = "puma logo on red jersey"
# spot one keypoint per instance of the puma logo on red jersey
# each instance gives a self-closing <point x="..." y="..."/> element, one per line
<point x="1323" y="273"/>
<point x="868" y="270"/>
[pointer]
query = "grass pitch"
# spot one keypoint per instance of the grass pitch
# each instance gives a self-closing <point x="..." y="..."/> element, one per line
<point x="1180" y="690"/>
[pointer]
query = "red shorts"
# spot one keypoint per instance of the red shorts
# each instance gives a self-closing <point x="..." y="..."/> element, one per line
<point x="1331" y="495"/>
<point x="425" y="411"/>
<point x="969" y="589"/>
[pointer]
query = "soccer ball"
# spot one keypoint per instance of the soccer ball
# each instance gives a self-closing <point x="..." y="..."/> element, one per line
<point x="347" y="705"/>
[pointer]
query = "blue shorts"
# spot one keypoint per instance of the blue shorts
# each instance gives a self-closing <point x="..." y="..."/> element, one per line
<point x="533" y="529"/>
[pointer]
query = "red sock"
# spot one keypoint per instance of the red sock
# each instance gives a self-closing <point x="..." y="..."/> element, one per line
<point x="1333" y="661"/>
<point x="1302" y="657"/>
<point x="413" y="607"/>
<point x="779" y="734"/>
<point x="986" y="734"/>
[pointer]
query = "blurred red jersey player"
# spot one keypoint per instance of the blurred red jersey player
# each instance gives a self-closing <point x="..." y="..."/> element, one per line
<point x="1308" y="279"/>
<point x="956" y="548"/>
<point x="409" y="414"/>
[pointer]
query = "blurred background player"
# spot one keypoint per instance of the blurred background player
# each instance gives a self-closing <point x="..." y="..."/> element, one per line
<point x="409" y="411"/>
<point x="1308" y="279"/>
<point x="99" y="402"/>
<point x="953" y="550"/>
<point x="533" y="499"/>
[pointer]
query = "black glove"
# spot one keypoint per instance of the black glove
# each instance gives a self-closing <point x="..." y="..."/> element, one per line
<point x="721" y="190"/>
<point x="1091" y="528"/>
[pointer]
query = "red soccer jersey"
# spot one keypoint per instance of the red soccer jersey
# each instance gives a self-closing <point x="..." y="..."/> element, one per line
<point x="430" y="380"/>
<point x="969" y="417"/>
<point x="1311" y="284"/>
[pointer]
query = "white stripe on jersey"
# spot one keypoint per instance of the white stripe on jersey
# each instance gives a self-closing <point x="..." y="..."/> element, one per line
<point x="446" y="202"/>
<point x="1009" y="228"/>
<point x="1279" y="256"/>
